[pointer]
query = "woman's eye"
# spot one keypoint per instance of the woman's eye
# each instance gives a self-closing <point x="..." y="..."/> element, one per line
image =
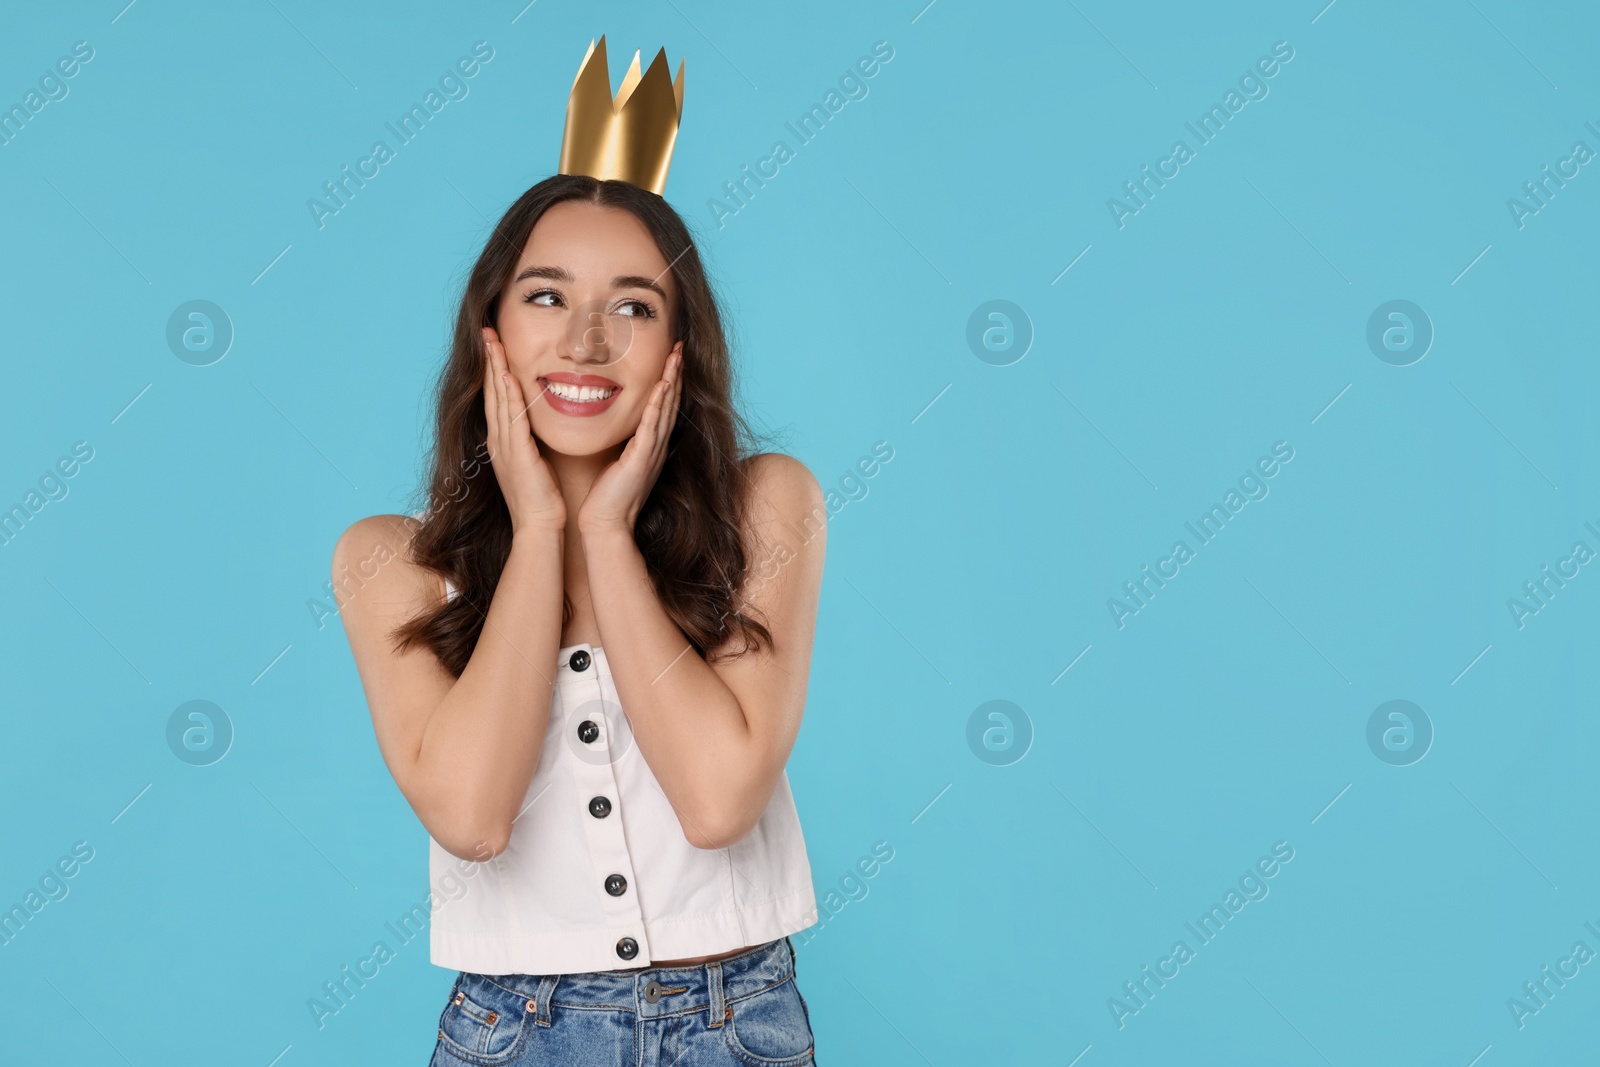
<point x="636" y="309"/>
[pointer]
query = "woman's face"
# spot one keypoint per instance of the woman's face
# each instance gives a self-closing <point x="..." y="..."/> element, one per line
<point x="587" y="323"/>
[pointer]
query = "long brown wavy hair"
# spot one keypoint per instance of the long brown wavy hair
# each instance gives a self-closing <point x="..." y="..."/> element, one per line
<point x="688" y="530"/>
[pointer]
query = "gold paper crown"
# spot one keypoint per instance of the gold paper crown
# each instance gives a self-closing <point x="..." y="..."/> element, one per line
<point x="631" y="138"/>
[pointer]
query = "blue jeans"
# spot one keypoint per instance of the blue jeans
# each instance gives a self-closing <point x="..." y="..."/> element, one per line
<point x="744" y="1010"/>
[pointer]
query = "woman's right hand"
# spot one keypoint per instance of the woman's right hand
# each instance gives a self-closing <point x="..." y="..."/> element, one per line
<point x="526" y="481"/>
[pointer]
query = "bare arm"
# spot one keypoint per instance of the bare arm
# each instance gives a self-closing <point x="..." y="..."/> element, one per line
<point x="463" y="751"/>
<point x="717" y="736"/>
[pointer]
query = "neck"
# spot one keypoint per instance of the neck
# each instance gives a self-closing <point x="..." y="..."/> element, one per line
<point x="576" y="475"/>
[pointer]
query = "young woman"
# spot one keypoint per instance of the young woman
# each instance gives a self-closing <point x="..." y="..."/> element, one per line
<point x="586" y="660"/>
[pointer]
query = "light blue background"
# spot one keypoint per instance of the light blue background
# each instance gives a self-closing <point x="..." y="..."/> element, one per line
<point x="1227" y="315"/>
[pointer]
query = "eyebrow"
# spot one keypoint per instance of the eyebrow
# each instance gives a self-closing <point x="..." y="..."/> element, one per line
<point x="621" y="281"/>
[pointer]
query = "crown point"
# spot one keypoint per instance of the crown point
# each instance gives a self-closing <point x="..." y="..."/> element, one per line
<point x="629" y="136"/>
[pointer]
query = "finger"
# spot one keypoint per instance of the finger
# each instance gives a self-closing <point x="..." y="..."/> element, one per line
<point x="510" y="404"/>
<point x="677" y="395"/>
<point x="489" y="368"/>
<point x="649" y="425"/>
<point x="664" y="445"/>
<point x="497" y="377"/>
<point x="501" y="404"/>
<point x="502" y="371"/>
<point x="491" y="411"/>
<point x="488" y="364"/>
<point x="508" y="410"/>
<point x="522" y="401"/>
<point x="669" y="414"/>
<point x="663" y="423"/>
<point x="518" y="403"/>
<point x="663" y="432"/>
<point x="488" y="351"/>
<point x="644" y="439"/>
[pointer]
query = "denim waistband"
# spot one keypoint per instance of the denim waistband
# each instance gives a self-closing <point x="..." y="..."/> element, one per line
<point x="650" y="992"/>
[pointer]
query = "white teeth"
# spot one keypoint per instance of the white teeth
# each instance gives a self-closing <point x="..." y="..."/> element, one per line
<point x="579" y="393"/>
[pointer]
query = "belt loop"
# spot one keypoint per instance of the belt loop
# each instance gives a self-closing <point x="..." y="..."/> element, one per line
<point x="719" y="1006"/>
<point x="540" y="1004"/>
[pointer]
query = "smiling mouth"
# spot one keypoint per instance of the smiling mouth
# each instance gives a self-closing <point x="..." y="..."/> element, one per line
<point x="579" y="394"/>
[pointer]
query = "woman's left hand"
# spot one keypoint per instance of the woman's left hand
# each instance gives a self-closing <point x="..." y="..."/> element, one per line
<point x="619" y="493"/>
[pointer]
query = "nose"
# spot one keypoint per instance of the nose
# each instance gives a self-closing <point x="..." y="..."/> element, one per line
<point x="592" y="336"/>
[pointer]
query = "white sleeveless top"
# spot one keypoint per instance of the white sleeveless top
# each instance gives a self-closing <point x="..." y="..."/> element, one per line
<point x="598" y="875"/>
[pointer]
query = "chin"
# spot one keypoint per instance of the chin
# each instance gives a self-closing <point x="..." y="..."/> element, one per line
<point x="578" y="441"/>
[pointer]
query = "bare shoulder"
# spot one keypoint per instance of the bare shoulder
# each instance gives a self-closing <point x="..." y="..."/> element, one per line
<point x="785" y="526"/>
<point x="375" y="535"/>
<point x="379" y="588"/>
<point x="373" y="556"/>
<point x="782" y="489"/>
<point x="785" y="518"/>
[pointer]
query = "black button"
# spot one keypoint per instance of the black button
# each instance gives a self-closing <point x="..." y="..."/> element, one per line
<point x="579" y="660"/>
<point x="627" y="948"/>
<point x="587" y="732"/>
<point x="616" y="885"/>
<point x="599" y="807"/>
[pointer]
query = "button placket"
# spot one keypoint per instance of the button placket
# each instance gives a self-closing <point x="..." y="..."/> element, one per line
<point x="595" y="778"/>
<point x="767" y="875"/>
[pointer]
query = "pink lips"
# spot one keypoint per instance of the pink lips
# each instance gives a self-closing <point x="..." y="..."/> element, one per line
<point x="579" y="407"/>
